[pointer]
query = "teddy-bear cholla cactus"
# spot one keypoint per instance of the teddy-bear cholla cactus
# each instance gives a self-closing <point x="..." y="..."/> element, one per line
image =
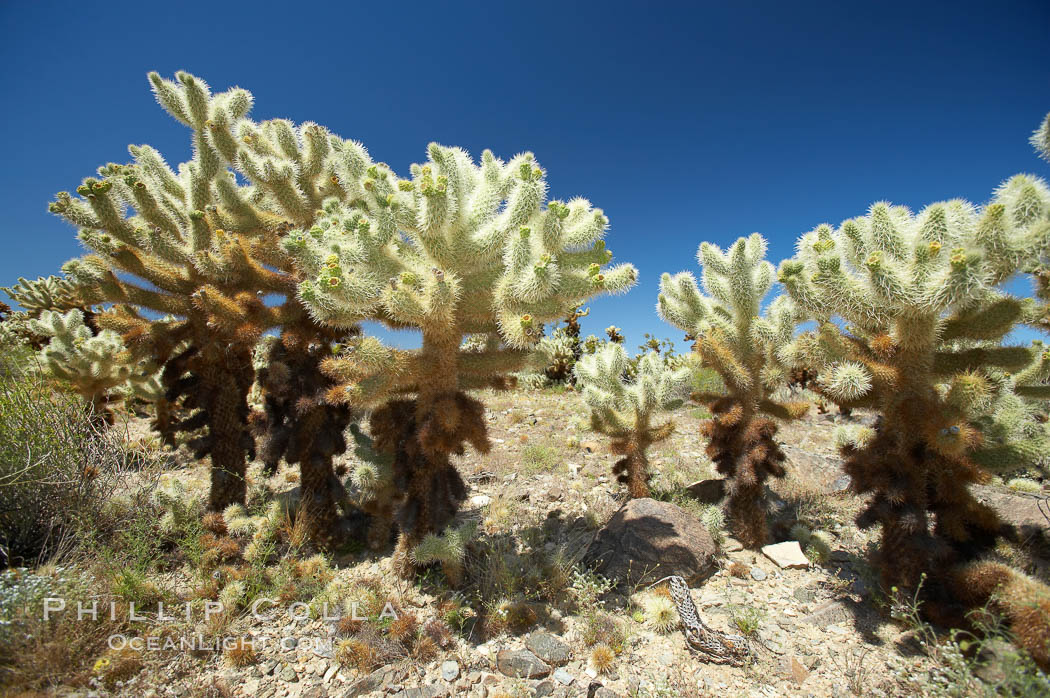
<point x="97" y="366"/>
<point x="925" y="313"/>
<point x="197" y="245"/>
<point x="626" y="410"/>
<point x="458" y="249"/>
<point x="745" y="347"/>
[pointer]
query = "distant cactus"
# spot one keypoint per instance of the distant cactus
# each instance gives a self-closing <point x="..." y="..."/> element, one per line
<point x="199" y="247"/>
<point x="557" y="355"/>
<point x="97" y="366"/>
<point x="626" y="410"/>
<point x="745" y="347"/>
<point x="924" y="314"/>
<point x="614" y="335"/>
<point x="50" y="293"/>
<point x="458" y="249"/>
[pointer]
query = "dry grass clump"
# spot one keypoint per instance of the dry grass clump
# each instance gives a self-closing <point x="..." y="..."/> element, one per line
<point x="241" y="654"/>
<point x="602" y="628"/>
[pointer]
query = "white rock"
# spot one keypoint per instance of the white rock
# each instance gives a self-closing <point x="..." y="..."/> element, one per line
<point x="480" y="500"/>
<point x="787" y="555"/>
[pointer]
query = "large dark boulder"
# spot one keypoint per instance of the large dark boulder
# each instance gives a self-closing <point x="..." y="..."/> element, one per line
<point x="647" y="540"/>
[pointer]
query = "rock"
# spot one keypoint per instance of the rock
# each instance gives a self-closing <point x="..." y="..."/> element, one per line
<point x="647" y="540"/>
<point x="423" y="692"/>
<point x="449" y="670"/>
<point x="708" y="491"/>
<point x="837" y="630"/>
<point x="1018" y="511"/>
<point x="543" y="689"/>
<point x="805" y="594"/>
<point x="316" y="691"/>
<point x="480" y="500"/>
<point x="840" y="484"/>
<point x="590" y="446"/>
<point x="787" y="555"/>
<point x="827" y="613"/>
<point x="603" y="692"/>
<point x="549" y="648"/>
<point x="521" y="664"/>
<point x="563" y="677"/>
<point x="366" y="684"/>
<point x="794" y="670"/>
<point x="990" y="660"/>
<point x="288" y="674"/>
<point x="758" y="574"/>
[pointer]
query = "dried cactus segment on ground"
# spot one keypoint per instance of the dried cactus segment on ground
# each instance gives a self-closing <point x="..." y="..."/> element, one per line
<point x="626" y="409"/>
<point x="749" y="350"/>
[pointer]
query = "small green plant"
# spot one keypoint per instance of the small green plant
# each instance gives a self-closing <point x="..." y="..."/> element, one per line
<point x="746" y="619"/>
<point x="538" y="458"/>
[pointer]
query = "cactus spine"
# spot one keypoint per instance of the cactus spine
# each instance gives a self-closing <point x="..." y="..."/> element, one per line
<point x="745" y="347"/>
<point x="925" y="316"/>
<point x="626" y="410"/>
<point x="458" y="249"/>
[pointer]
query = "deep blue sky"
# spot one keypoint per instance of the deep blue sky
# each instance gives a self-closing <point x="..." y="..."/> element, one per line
<point x="683" y="121"/>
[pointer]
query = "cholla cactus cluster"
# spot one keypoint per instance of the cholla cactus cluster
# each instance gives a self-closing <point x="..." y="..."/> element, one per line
<point x="627" y="410"/>
<point x="460" y="248"/>
<point x="925" y="315"/>
<point x="52" y="293"/>
<point x="747" y="349"/>
<point x="200" y="248"/>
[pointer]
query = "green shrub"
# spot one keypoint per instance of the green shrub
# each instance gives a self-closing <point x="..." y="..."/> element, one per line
<point x="57" y="466"/>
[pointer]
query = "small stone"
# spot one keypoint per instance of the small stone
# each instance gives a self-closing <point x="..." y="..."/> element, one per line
<point x="449" y="670"/>
<point x="543" y="689"/>
<point x="841" y="484"/>
<point x="549" y="648"/>
<point x="805" y="594"/>
<point x="288" y="674"/>
<point x="794" y="670"/>
<point x="708" y="491"/>
<point x="315" y="691"/>
<point x="757" y="574"/>
<point x="732" y="545"/>
<point x="480" y="500"/>
<point x="563" y="677"/>
<point x="786" y="555"/>
<point x="332" y="669"/>
<point x="521" y="664"/>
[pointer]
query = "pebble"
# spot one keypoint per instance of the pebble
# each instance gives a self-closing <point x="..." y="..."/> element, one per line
<point x="449" y="670"/>
<point x="758" y="574"/>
